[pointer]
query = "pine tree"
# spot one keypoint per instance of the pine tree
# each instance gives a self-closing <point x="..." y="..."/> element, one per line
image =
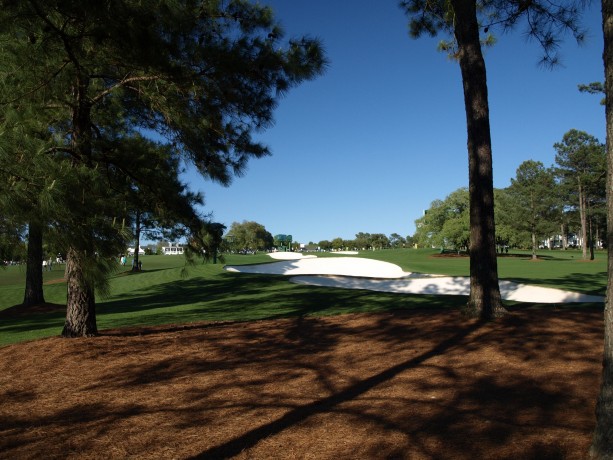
<point x="602" y="440"/>
<point x="203" y="75"/>
<point x="581" y="166"/>
<point x="461" y="18"/>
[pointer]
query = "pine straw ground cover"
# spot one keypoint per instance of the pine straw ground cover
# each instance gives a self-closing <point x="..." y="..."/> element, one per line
<point x="412" y="385"/>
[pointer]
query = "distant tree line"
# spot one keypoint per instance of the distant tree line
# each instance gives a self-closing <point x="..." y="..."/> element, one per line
<point x="249" y="237"/>
<point x="541" y="204"/>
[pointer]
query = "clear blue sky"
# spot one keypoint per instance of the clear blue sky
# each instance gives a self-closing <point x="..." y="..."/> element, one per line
<point x="367" y="146"/>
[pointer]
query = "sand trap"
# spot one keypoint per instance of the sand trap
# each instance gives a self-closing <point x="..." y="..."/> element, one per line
<point x="446" y="285"/>
<point x="346" y="266"/>
<point x="375" y="275"/>
<point x="289" y="255"/>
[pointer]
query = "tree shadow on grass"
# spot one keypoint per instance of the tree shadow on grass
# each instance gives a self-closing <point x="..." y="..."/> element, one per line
<point x="247" y="297"/>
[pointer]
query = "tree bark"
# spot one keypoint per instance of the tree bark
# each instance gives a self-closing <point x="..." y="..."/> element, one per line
<point x="135" y="265"/>
<point x="80" y="300"/>
<point x="583" y="219"/>
<point x="34" y="266"/>
<point x="484" y="300"/>
<point x="602" y="441"/>
<point x="564" y="237"/>
<point x="591" y="238"/>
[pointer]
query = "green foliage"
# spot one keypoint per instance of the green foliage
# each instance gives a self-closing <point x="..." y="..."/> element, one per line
<point x="544" y="22"/>
<point x="581" y="160"/>
<point x="94" y="74"/>
<point x="529" y="204"/>
<point x="446" y="223"/>
<point x="248" y="236"/>
<point x="593" y="88"/>
<point x="581" y="168"/>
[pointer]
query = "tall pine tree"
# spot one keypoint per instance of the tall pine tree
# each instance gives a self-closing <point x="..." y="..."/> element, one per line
<point x="465" y="20"/>
<point x="202" y="74"/>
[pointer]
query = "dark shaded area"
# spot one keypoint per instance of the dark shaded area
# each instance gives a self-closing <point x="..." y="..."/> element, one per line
<point x="406" y="384"/>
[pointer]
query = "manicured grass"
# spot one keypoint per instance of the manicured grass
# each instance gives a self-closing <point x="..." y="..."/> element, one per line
<point x="558" y="269"/>
<point x="167" y="292"/>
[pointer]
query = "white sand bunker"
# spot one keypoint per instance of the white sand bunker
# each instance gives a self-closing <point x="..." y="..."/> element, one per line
<point x="375" y="275"/>
<point x="289" y="255"/>
<point x="447" y="285"/>
<point x="347" y="266"/>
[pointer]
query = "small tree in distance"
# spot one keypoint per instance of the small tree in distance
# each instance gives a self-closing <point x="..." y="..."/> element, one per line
<point x="532" y="201"/>
<point x="581" y="165"/>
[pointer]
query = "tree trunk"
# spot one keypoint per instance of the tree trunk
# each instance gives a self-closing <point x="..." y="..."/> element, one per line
<point x="564" y="237"/>
<point x="591" y="238"/>
<point x="80" y="301"/>
<point x="34" y="266"/>
<point x="534" y="245"/>
<point x="602" y="441"/>
<point x="484" y="299"/>
<point x="135" y="265"/>
<point x="583" y="219"/>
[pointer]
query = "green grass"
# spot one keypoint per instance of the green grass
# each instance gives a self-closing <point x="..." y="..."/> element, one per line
<point x="558" y="269"/>
<point x="163" y="294"/>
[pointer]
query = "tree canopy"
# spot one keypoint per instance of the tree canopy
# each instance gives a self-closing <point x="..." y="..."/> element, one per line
<point x="202" y="75"/>
<point x="248" y="236"/>
<point x="532" y="201"/>
<point x="581" y="166"/>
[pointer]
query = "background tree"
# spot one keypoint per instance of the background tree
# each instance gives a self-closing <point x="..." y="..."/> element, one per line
<point x="581" y="165"/>
<point x="602" y="440"/>
<point x="428" y="227"/>
<point x="363" y="240"/>
<point x="545" y="22"/>
<point x="249" y="236"/>
<point x="456" y="227"/>
<point x="379" y="241"/>
<point x="27" y="189"/>
<point x="532" y="204"/>
<point x="397" y="241"/>
<point x="12" y="245"/>
<point x="201" y="74"/>
<point x="158" y="204"/>
<point x="325" y="245"/>
<point x="446" y="223"/>
<point x="338" y="244"/>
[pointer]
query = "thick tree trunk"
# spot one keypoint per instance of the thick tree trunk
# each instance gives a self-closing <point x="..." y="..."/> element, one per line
<point x="602" y="441"/>
<point x="34" y="266"/>
<point x="484" y="300"/>
<point x="80" y="301"/>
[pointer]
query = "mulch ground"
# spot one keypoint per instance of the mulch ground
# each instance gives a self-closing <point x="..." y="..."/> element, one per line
<point x="414" y="385"/>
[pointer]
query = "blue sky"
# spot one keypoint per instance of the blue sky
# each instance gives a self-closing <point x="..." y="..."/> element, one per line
<point x="367" y="146"/>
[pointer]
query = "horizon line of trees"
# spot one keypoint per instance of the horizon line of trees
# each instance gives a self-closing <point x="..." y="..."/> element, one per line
<point x="541" y="202"/>
<point x="250" y="236"/>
